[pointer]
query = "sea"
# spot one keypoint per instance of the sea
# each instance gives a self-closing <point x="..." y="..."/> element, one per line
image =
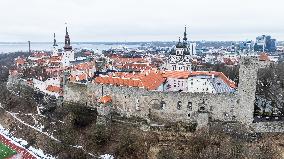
<point x="41" y="46"/>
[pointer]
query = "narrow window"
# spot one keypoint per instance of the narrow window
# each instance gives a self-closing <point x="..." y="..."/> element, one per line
<point x="189" y="106"/>
<point x="163" y="105"/>
<point x="137" y="104"/>
<point x="179" y="105"/>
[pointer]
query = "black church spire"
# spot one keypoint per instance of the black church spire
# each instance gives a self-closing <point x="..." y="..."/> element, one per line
<point x="67" y="46"/>
<point x="54" y="40"/>
<point x="184" y="35"/>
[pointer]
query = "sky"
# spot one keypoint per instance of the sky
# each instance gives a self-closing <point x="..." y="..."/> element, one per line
<point x="139" y="20"/>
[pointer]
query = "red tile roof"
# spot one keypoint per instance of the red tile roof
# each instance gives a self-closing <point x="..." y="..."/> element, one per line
<point x="149" y="80"/>
<point x="263" y="57"/>
<point x="53" y="89"/>
<point x="84" y="66"/>
<point x="129" y="60"/>
<point x="137" y="66"/>
<point x="20" y="61"/>
<point x="105" y="99"/>
<point x="39" y="54"/>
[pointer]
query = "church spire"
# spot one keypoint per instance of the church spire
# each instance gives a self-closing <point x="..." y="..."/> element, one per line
<point x="54" y="40"/>
<point x="67" y="46"/>
<point x="66" y="31"/>
<point x="184" y="34"/>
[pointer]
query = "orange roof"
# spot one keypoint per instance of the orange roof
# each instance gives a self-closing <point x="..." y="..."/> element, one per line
<point x="105" y="99"/>
<point x="129" y="60"/>
<point x="176" y="74"/>
<point x="263" y="57"/>
<point x="137" y="66"/>
<point x="72" y="78"/>
<point x="149" y="80"/>
<point x="13" y="72"/>
<point x="20" y="61"/>
<point x="55" y="58"/>
<point x="84" y="66"/>
<point x="53" y="89"/>
<point x="83" y="77"/>
<point x="39" y="54"/>
<point x="40" y="61"/>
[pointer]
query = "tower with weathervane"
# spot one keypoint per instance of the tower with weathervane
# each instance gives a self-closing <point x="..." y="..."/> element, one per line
<point x="68" y="54"/>
<point x="180" y="58"/>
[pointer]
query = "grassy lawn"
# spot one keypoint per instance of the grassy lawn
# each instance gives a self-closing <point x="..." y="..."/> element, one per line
<point x="6" y="151"/>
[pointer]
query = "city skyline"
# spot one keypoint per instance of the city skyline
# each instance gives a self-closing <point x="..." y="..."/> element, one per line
<point x="128" y="20"/>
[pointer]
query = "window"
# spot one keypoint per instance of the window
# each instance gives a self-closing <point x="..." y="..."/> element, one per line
<point x="137" y="104"/>
<point x="179" y="105"/>
<point x="163" y="105"/>
<point x="189" y="106"/>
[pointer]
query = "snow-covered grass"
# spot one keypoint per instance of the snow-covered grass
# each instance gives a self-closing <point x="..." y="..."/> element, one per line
<point x="106" y="156"/>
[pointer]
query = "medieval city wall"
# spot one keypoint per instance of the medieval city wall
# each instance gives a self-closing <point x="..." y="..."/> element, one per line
<point x="75" y="93"/>
<point x="181" y="106"/>
<point x="169" y="106"/>
<point x="274" y="126"/>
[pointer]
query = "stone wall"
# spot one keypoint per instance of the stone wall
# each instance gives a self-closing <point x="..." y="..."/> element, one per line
<point x="168" y="106"/>
<point x="179" y="106"/>
<point x="75" y="93"/>
<point x="275" y="126"/>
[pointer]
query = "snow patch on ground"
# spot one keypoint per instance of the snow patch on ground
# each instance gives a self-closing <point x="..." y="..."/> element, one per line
<point x="106" y="156"/>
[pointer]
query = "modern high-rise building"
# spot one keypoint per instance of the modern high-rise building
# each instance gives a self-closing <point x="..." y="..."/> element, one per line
<point x="264" y="43"/>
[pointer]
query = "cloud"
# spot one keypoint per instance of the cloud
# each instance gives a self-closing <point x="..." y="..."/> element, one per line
<point x="139" y="20"/>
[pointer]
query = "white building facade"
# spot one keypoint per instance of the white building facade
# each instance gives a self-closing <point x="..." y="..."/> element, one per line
<point x="180" y="58"/>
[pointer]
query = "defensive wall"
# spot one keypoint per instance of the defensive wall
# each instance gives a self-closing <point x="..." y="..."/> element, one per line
<point x="180" y="106"/>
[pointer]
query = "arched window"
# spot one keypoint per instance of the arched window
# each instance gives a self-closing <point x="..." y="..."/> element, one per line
<point x="189" y="106"/>
<point x="179" y="105"/>
<point x="163" y="105"/>
<point x="137" y="104"/>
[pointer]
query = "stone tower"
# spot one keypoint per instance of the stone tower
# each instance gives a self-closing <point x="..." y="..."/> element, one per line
<point x="247" y="87"/>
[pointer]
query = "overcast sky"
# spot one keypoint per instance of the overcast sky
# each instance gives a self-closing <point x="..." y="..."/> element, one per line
<point x="140" y="20"/>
